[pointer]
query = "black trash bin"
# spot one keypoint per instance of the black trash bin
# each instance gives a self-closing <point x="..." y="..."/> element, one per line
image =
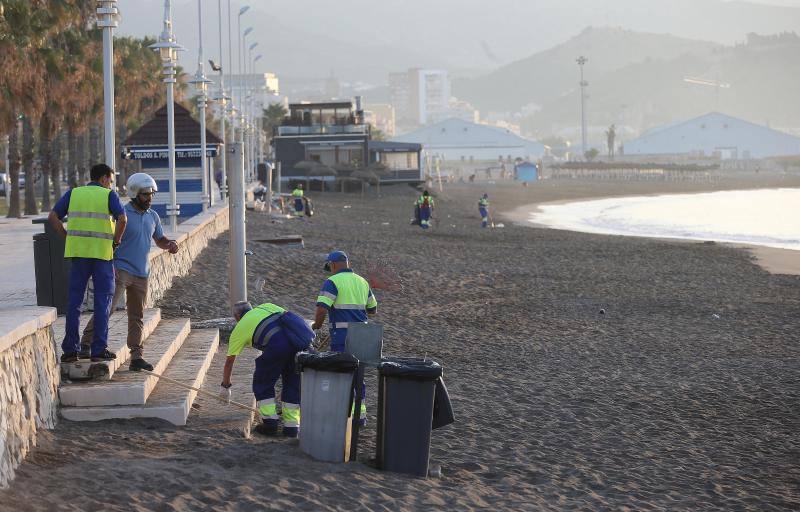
<point x="406" y="391"/>
<point x="51" y="268"/>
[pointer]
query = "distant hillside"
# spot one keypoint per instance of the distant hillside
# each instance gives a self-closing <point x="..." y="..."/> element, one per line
<point x="763" y="77"/>
<point x="545" y="76"/>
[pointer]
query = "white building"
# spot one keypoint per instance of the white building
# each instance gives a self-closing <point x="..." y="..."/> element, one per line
<point x="460" y="140"/>
<point x="419" y="95"/>
<point x="264" y="86"/>
<point x="715" y="134"/>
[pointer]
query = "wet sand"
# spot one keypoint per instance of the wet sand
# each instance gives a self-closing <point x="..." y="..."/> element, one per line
<point x="587" y="371"/>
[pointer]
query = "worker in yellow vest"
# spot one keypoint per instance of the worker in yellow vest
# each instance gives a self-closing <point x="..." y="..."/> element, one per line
<point x="92" y="235"/>
<point x="297" y="194"/>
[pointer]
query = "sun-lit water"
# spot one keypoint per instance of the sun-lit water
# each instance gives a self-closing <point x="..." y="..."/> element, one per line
<point x="761" y="217"/>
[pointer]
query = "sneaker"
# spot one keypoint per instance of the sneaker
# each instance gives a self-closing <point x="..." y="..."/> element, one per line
<point x="69" y="357"/>
<point x="291" y="431"/>
<point x="267" y="428"/>
<point x="140" y="364"/>
<point x="105" y="355"/>
<point x="85" y="353"/>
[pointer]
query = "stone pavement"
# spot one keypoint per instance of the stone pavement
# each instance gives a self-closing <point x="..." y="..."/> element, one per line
<point x="18" y="284"/>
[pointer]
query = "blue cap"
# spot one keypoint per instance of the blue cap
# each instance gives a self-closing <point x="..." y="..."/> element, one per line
<point x="336" y="256"/>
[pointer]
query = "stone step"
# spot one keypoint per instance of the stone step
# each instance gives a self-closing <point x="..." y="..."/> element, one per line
<point x="117" y="333"/>
<point x="127" y="387"/>
<point x="167" y="401"/>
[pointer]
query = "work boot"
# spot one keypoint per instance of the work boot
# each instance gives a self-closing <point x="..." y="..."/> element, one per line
<point x="105" y="355"/>
<point x="268" y="427"/>
<point x="140" y="364"/>
<point x="291" y="432"/>
<point x="69" y="357"/>
<point x="86" y="352"/>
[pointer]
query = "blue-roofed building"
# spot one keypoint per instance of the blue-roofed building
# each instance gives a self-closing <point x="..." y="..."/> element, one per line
<point x="148" y="147"/>
<point x="714" y="134"/>
<point x="459" y="140"/>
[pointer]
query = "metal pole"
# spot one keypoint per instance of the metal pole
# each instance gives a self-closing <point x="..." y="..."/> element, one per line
<point x="222" y="102"/>
<point x="202" y="104"/>
<point x="7" y="179"/>
<point x="581" y="61"/>
<point x="269" y="189"/>
<point x="173" y="195"/>
<point x="236" y="219"/>
<point x="106" y="20"/>
<point x="279" y="178"/>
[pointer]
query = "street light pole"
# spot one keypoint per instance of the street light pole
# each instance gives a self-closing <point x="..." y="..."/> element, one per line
<point x="243" y="99"/>
<point x="250" y="111"/>
<point x="107" y="20"/>
<point x="201" y="83"/>
<point x="168" y="48"/>
<point x="581" y="61"/>
<point x="222" y="103"/>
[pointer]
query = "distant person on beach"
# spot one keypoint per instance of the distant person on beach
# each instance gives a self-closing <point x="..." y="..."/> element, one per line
<point x="132" y="265"/>
<point x="345" y="298"/>
<point x="260" y="192"/>
<point x="483" y="209"/>
<point x="92" y="236"/>
<point x="218" y="179"/>
<point x="297" y="193"/>
<point x="425" y="203"/>
<point x="279" y="335"/>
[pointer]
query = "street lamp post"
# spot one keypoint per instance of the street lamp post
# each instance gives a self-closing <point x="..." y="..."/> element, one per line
<point x="168" y="48"/>
<point x="581" y="62"/>
<point x="244" y="100"/>
<point x="107" y="20"/>
<point x="256" y="116"/>
<point x="201" y="83"/>
<point x="250" y="109"/>
<point x="222" y="102"/>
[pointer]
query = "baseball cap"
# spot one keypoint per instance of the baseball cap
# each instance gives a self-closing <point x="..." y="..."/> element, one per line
<point x="335" y="256"/>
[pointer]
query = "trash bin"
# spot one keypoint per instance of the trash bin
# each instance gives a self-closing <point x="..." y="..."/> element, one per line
<point x="406" y="389"/>
<point x="325" y="402"/>
<point x="50" y="267"/>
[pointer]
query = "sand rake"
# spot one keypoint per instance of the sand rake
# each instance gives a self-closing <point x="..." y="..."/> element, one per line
<point x="204" y="393"/>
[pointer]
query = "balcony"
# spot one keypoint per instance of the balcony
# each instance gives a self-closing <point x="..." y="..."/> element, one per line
<point x="322" y="129"/>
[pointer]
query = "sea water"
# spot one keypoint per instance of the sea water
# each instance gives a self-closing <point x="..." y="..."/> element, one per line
<point x="769" y="217"/>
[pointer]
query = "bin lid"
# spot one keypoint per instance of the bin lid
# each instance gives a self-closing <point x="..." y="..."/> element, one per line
<point x="337" y="362"/>
<point x="413" y="369"/>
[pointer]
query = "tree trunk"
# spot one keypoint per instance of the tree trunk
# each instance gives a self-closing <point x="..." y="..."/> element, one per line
<point x="72" y="158"/>
<point x="56" y="164"/>
<point x="31" y="208"/>
<point x="45" y="158"/>
<point x="81" y="158"/>
<point x="94" y="145"/>
<point x="13" y="171"/>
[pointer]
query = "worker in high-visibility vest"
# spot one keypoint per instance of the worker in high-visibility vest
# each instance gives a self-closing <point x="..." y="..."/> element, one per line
<point x="425" y="204"/>
<point x="345" y="298"/>
<point x="297" y="194"/>
<point x="92" y="236"/>
<point x="483" y="209"/>
<point x="279" y="335"/>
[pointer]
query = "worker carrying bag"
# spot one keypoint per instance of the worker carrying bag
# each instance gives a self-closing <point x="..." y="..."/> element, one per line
<point x="295" y="328"/>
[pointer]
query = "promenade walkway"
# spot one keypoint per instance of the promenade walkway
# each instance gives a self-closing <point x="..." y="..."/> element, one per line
<point x="18" y="282"/>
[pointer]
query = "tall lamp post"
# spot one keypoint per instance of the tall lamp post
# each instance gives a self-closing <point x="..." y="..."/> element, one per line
<point x="107" y="15"/>
<point x="256" y="116"/>
<point x="201" y="84"/>
<point x="222" y="100"/>
<point x="168" y="48"/>
<point x="581" y="62"/>
<point x="243" y="100"/>
<point x="250" y="110"/>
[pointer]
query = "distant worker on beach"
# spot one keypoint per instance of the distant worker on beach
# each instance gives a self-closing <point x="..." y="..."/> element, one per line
<point x="132" y="265"/>
<point x="425" y="203"/>
<point x="92" y="236"/>
<point x="297" y="193"/>
<point x="279" y="335"/>
<point x="346" y="298"/>
<point x="483" y="208"/>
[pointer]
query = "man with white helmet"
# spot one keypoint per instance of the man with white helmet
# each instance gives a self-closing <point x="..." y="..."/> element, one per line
<point x="131" y="263"/>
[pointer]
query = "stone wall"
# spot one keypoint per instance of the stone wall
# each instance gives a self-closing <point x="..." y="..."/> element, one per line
<point x="29" y="379"/>
<point x="193" y="237"/>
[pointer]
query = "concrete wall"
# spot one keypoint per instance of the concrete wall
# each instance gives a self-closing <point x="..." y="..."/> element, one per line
<point x="29" y="379"/>
<point x="193" y="236"/>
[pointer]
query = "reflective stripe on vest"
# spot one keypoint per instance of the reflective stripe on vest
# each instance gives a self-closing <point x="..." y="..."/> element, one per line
<point x="267" y="327"/>
<point x="352" y="291"/>
<point x="90" y="229"/>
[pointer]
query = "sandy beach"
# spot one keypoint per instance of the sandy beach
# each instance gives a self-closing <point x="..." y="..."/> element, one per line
<point x="587" y="372"/>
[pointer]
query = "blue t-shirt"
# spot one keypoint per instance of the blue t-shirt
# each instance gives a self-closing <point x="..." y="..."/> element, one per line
<point x="142" y="229"/>
<point x="114" y="204"/>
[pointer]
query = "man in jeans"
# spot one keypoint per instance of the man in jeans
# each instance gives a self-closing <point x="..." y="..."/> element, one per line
<point x="131" y="264"/>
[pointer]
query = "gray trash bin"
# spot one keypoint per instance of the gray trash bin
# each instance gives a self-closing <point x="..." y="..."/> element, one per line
<point x="406" y="390"/>
<point x="325" y="402"/>
<point x="51" y="268"/>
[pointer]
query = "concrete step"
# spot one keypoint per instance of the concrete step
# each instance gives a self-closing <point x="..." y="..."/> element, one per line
<point x="117" y="333"/>
<point x="127" y="387"/>
<point x="167" y="401"/>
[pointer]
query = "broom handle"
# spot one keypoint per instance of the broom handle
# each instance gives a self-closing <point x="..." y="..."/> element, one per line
<point x="202" y="392"/>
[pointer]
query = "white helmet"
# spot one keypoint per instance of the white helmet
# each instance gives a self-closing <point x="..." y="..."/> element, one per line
<point x="140" y="182"/>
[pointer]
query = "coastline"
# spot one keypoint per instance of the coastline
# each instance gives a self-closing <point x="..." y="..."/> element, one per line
<point x="771" y="259"/>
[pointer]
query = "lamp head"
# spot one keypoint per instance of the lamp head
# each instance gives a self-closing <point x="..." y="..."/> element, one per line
<point x="244" y="9"/>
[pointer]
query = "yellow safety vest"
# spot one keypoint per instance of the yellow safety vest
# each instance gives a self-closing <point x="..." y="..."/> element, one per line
<point x="90" y="228"/>
<point x="297" y="192"/>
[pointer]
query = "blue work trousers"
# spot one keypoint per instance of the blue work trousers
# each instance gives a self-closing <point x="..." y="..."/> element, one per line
<point x="102" y="274"/>
<point x="298" y="204"/>
<point x="484" y="216"/>
<point x="277" y="361"/>
<point x="338" y="338"/>
<point x="424" y="217"/>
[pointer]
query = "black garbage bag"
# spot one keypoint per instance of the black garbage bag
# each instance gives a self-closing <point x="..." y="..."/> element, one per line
<point x="309" y="207"/>
<point x="412" y="369"/>
<point x="336" y="362"/>
<point x="442" y="407"/>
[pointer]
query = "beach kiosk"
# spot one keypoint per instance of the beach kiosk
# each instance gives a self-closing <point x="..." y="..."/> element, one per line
<point x="148" y="148"/>
<point x="527" y="172"/>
